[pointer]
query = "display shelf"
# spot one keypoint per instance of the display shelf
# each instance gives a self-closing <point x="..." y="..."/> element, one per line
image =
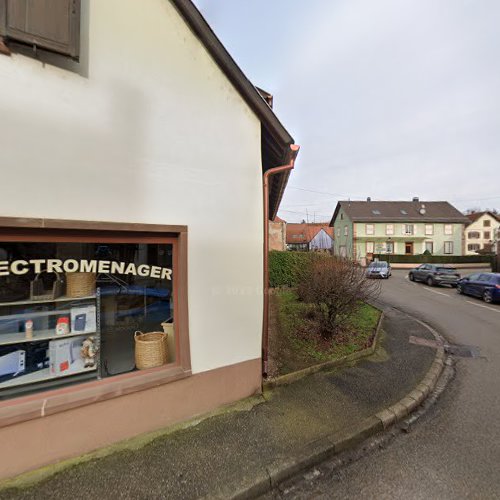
<point x="44" y="374"/>
<point x="35" y="314"/>
<point x="63" y="298"/>
<point x="20" y="337"/>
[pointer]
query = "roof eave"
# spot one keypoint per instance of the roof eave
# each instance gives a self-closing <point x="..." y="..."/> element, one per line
<point x="243" y="85"/>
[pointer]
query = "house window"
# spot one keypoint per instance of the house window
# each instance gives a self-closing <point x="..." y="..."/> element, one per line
<point x="338" y="232"/>
<point x="43" y="24"/>
<point x="448" y="247"/>
<point x="408" y="228"/>
<point x="370" y="229"/>
<point x="487" y="235"/>
<point x="474" y="235"/>
<point x="473" y="247"/>
<point x="429" y="229"/>
<point x="346" y="231"/>
<point x="448" y="229"/>
<point x="70" y="305"/>
<point x="389" y="247"/>
<point x="369" y="246"/>
<point x="341" y="216"/>
<point x="429" y="246"/>
<point x="389" y="229"/>
<point x="486" y="223"/>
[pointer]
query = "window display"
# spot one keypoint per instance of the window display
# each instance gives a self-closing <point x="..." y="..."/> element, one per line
<point x="70" y="311"/>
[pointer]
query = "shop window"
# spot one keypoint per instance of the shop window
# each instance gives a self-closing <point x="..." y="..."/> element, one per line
<point x="69" y="311"/>
<point x="44" y="24"/>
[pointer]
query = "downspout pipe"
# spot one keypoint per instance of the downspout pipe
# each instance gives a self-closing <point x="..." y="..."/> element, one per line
<point x="294" y="151"/>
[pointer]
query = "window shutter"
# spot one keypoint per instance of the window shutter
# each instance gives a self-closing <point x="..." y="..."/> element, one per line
<point x="48" y="24"/>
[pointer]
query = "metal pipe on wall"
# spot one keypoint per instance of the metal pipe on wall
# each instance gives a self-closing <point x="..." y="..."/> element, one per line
<point x="294" y="150"/>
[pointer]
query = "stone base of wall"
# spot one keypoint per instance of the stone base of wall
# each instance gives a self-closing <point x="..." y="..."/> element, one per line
<point x="46" y="440"/>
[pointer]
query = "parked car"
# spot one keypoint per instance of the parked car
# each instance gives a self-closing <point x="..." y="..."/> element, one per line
<point x="483" y="285"/>
<point x="379" y="269"/>
<point x="434" y="274"/>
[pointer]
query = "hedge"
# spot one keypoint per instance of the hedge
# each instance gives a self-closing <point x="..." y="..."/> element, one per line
<point x="287" y="268"/>
<point x="435" y="259"/>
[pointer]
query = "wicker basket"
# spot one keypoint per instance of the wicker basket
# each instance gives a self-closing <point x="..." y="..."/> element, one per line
<point x="150" y="350"/>
<point x="80" y="284"/>
<point x="38" y="292"/>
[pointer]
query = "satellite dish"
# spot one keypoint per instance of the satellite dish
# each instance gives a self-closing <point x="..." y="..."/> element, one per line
<point x="422" y="211"/>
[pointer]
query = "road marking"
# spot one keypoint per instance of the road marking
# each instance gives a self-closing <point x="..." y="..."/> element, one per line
<point x="434" y="291"/>
<point x="481" y="305"/>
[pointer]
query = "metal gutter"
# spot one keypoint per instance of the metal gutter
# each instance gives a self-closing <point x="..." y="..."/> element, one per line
<point x="292" y="155"/>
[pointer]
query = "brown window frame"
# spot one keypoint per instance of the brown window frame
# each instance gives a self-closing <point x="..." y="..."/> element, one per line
<point x="18" y="36"/>
<point x="40" y="404"/>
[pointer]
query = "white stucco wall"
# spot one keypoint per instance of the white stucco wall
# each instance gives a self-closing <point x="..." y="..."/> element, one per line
<point x="478" y="226"/>
<point x="154" y="133"/>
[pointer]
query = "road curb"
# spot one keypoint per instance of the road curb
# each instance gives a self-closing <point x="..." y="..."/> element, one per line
<point x="289" y="378"/>
<point x="318" y="451"/>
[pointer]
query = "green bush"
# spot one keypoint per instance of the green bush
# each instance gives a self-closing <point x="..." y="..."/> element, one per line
<point x="434" y="259"/>
<point x="288" y="268"/>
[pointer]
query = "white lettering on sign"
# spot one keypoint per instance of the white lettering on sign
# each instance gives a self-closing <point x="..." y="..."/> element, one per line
<point x="16" y="267"/>
<point x="4" y="268"/>
<point x="20" y="267"/>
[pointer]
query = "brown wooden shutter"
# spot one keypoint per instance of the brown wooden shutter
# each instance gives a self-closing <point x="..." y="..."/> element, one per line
<point x="48" y="24"/>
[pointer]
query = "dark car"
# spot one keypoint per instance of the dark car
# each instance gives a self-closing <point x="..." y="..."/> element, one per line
<point x="378" y="269"/>
<point x="483" y="285"/>
<point x="435" y="274"/>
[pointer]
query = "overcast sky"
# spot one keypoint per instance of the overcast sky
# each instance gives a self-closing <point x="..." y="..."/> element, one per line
<point x="389" y="99"/>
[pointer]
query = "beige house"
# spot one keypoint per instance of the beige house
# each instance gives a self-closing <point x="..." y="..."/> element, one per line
<point x="131" y="141"/>
<point x="482" y="232"/>
<point x="277" y="234"/>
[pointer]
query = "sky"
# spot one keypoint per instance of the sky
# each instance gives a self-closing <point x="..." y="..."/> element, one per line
<point x="389" y="99"/>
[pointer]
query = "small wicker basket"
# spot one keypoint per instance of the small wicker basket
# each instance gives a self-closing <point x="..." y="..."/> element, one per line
<point x="80" y="284"/>
<point x="150" y="350"/>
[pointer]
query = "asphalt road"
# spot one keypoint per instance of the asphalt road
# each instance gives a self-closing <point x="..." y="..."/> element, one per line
<point x="453" y="452"/>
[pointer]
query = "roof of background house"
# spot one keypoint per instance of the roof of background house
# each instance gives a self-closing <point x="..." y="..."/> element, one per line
<point x="279" y="219"/>
<point x="476" y="215"/>
<point x="304" y="233"/>
<point x="275" y="139"/>
<point x="389" y="211"/>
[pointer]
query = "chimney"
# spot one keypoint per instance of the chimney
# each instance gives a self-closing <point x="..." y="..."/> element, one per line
<point x="368" y="199"/>
<point x="415" y="199"/>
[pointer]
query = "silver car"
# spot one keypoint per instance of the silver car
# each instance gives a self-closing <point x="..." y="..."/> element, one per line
<point x="379" y="269"/>
<point x="435" y="274"/>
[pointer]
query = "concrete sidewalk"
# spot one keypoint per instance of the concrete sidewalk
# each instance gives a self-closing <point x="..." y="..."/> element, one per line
<point x="244" y="452"/>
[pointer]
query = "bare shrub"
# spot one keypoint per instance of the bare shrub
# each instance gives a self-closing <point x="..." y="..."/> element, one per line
<point x="337" y="287"/>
